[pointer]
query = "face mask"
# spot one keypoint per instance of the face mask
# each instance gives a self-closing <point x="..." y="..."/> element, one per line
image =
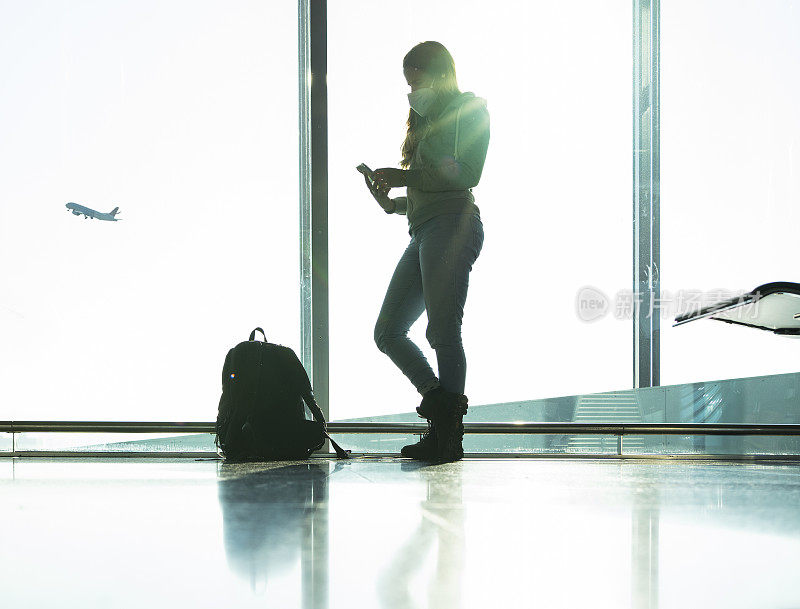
<point x="422" y="100"/>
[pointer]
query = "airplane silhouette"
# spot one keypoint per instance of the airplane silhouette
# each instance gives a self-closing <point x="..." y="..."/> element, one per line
<point x="90" y="213"/>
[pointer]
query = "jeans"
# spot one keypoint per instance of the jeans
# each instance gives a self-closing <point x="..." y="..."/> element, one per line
<point x="432" y="276"/>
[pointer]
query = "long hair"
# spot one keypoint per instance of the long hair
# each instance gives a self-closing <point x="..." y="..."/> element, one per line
<point x="432" y="58"/>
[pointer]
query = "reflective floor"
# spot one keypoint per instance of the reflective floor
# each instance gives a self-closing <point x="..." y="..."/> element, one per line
<point x="381" y="533"/>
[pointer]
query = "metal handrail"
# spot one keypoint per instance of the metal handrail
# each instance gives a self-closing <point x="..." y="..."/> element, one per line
<point x="615" y="429"/>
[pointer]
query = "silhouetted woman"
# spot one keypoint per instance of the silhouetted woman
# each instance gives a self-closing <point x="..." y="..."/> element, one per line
<point x="443" y="157"/>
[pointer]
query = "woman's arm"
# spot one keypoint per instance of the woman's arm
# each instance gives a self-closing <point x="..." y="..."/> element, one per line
<point x="400" y="205"/>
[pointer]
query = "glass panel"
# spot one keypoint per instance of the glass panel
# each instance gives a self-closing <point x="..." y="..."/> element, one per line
<point x="749" y="401"/>
<point x="183" y="115"/>
<point x="554" y="196"/>
<point x="587" y="444"/>
<point x="114" y="442"/>
<point x="713" y="445"/>
<point x="729" y="178"/>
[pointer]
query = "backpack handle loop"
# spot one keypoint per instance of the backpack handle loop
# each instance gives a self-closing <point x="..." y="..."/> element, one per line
<point x="253" y="334"/>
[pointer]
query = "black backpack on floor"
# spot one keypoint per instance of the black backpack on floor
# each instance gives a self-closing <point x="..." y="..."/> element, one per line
<point x="261" y="412"/>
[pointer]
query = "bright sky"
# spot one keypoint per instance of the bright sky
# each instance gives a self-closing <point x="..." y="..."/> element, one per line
<point x="184" y="114"/>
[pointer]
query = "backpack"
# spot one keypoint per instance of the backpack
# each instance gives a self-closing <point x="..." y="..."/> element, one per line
<point x="261" y="414"/>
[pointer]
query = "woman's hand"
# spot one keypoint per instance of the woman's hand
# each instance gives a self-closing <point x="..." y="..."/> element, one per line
<point x="389" y="177"/>
<point x="380" y="195"/>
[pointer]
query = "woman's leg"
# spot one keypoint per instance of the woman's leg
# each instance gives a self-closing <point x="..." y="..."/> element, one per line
<point x="449" y="245"/>
<point x="402" y="306"/>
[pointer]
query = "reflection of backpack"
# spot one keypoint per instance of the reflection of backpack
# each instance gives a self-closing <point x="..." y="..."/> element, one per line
<point x="262" y="538"/>
<point x="261" y="413"/>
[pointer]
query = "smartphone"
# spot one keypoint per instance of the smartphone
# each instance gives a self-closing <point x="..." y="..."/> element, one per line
<point x="367" y="172"/>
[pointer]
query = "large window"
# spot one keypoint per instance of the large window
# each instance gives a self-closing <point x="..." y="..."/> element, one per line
<point x="184" y="115"/>
<point x="730" y="177"/>
<point x="555" y="195"/>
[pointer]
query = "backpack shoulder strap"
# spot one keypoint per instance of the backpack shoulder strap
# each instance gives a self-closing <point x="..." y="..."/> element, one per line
<point x="317" y="413"/>
<point x="340" y="452"/>
<point x="304" y="385"/>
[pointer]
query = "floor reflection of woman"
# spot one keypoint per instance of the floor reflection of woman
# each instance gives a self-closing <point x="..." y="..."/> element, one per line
<point x="443" y="157"/>
<point x="442" y="524"/>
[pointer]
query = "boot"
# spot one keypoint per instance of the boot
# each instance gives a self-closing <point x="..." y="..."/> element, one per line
<point x="425" y="449"/>
<point x="446" y="412"/>
<point x="429" y="398"/>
